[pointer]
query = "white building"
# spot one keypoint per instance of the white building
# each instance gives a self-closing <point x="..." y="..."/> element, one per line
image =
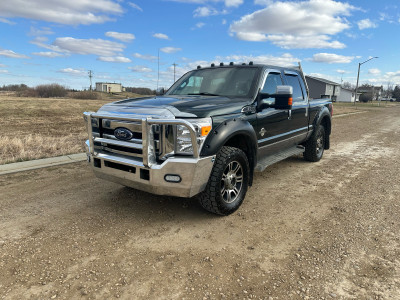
<point x="346" y="95"/>
<point x="109" y="87"/>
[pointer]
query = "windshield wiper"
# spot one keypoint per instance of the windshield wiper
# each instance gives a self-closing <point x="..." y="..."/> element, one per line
<point x="204" y="94"/>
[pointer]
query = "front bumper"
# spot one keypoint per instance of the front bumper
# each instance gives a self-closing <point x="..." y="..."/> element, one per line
<point x="193" y="172"/>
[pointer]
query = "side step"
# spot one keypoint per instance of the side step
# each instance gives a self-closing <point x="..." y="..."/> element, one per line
<point x="269" y="160"/>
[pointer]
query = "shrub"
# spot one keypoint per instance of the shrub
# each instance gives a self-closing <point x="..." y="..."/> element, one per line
<point x="29" y="92"/>
<point x="366" y="97"/>
<point x="51" y="90"/>
<point x="90" y="95"/>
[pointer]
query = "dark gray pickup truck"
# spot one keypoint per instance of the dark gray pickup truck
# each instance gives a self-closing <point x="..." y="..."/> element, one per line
<point x="209" y="132"/>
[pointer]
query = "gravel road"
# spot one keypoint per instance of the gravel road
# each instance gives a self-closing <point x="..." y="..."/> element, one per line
<point x="326" y="230"/>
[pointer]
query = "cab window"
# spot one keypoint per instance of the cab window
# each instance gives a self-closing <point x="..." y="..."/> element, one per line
<point x="293" y="80"/>
<point x="270" y="84"/>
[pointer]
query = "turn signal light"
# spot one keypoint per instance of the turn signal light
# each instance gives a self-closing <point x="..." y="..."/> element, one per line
<point x="205" y="130"/>
<point x="290" y="101"/>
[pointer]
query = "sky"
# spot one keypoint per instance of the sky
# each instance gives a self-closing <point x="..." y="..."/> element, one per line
<point x="137" y="42"/>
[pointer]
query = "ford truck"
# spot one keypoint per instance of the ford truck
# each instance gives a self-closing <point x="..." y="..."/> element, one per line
<point x="209" y="133"/>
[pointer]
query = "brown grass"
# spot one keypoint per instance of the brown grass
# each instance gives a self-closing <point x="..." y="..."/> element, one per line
<point x="33" y="128"/>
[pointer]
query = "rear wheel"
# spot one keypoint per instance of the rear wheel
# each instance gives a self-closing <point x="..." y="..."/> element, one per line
<point x="228" y="182"/>
<point x="315" y="145"/>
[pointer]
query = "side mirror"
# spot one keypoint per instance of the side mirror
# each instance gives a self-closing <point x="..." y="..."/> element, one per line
<point x="284" y="97"/>
<point x="160" y="91"/>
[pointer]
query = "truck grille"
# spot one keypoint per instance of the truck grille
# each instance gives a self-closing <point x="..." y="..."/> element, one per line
<point x="106" y="142"/>
<point x="143" y="138"/>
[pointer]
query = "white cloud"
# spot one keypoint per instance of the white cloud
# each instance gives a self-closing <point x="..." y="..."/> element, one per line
<point x="233" y="3"/>
<point x="204" y="11"/>
<point x="145" y="56"/>
<point x="223" y="21"/>
<point x="295" y="24"/>
<point x="124" y="37"/>
<point x="3" y="71"/>
<point x="3" y="20"/>
<point x="331" y="58"/>
<point x="135" y="6"/>
<point x="365" y="24"/>
<point x="88" y="46"/>
<point x="200" y="25"/>
<point x="374" y="71"/>
<point x="2" y="66"/>
<point x="49" y="54"/>
<point x="342" y="71"/>
<point x="161" y="36"/>
<point x="140" y="69"/>
<point x="40" y="31"/>
<point x="116" y="59"/>
<point x="304" y="42"/>
<point x="74" y="72"/>
<point x="12" y="54"/>
<point x="71" y="12"/>
<point x="228" y="3"/>
<point x="170" y="49"/>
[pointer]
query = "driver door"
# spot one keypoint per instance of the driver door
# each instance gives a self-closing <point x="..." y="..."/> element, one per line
<point x="272" y="124"/>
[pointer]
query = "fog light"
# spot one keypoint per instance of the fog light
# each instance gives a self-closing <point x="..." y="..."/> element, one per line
<point x="172" y="178"/>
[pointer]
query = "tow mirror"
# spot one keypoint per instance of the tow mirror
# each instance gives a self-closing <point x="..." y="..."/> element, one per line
<point x="283" y="97"/>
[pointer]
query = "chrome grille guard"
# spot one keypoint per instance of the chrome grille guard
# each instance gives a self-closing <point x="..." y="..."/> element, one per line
<point x="147" y="144"/>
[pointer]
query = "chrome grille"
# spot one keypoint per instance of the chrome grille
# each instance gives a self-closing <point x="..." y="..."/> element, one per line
<point x="152" y="138"/>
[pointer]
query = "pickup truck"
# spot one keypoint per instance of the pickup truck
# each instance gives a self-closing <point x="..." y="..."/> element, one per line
<point x="209" y="133"/>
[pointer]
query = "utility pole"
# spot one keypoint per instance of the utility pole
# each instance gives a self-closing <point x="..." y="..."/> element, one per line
<point x="358" y="76"/>
<point x="158" y="69"/>
<point x="174" y="64"/>
<point x="90" y="73"/>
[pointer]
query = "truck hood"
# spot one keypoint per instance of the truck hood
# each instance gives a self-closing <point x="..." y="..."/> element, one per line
<point x="177" y="106"/>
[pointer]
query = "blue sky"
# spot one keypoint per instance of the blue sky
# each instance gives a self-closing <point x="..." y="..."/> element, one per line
<point x="47" y="41"/>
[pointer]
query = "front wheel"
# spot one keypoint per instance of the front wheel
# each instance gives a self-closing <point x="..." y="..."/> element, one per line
<point x="228" y="182"/>
<point x="315" y="145"/>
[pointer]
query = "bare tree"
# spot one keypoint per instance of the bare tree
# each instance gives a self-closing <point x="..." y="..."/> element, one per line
<point x="348" y="85"/>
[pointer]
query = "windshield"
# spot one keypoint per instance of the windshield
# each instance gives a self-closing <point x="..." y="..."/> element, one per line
<point x="228" y="82"/>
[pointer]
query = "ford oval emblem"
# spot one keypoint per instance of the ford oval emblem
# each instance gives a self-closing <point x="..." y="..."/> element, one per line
<point x="123" y="134"/>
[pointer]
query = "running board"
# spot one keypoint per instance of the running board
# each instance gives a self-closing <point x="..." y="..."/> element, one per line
<point x="269" y="160"/>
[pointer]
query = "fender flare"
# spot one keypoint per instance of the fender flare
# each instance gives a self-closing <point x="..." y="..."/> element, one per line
<point x="324" y="117"/>
<point x="229" y="130"/>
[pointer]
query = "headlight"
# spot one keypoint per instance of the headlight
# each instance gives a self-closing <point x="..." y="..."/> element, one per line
<point x="183" y="143"/>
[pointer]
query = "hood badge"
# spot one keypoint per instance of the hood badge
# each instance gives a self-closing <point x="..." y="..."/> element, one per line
<point x="123" y="134"/>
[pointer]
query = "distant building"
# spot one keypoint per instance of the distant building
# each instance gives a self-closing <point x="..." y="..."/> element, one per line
<point x="322" y="88"/>
<point x="109" y="87"/>
<point x="375" y="91"/>
<point x="346" y="95"/>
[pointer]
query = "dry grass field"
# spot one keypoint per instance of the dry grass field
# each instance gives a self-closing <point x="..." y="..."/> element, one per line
<point x="33" y="128"/>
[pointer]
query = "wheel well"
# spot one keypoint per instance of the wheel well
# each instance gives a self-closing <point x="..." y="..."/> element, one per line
<point x="243" y="143"/>
<point x="326" y="122"/>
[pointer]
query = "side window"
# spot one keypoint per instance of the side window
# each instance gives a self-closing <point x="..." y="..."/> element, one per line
<point x="293" y="80"/>
<point x="272" y="80"/>
<point x="270" y="84"/>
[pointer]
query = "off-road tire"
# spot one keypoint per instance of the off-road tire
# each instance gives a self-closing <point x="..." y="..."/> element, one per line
<point x="223" y="183"/>
<point x="315" y="145"/>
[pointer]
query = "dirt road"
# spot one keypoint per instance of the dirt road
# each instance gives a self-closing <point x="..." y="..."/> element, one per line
<point x="327" y="230"/>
